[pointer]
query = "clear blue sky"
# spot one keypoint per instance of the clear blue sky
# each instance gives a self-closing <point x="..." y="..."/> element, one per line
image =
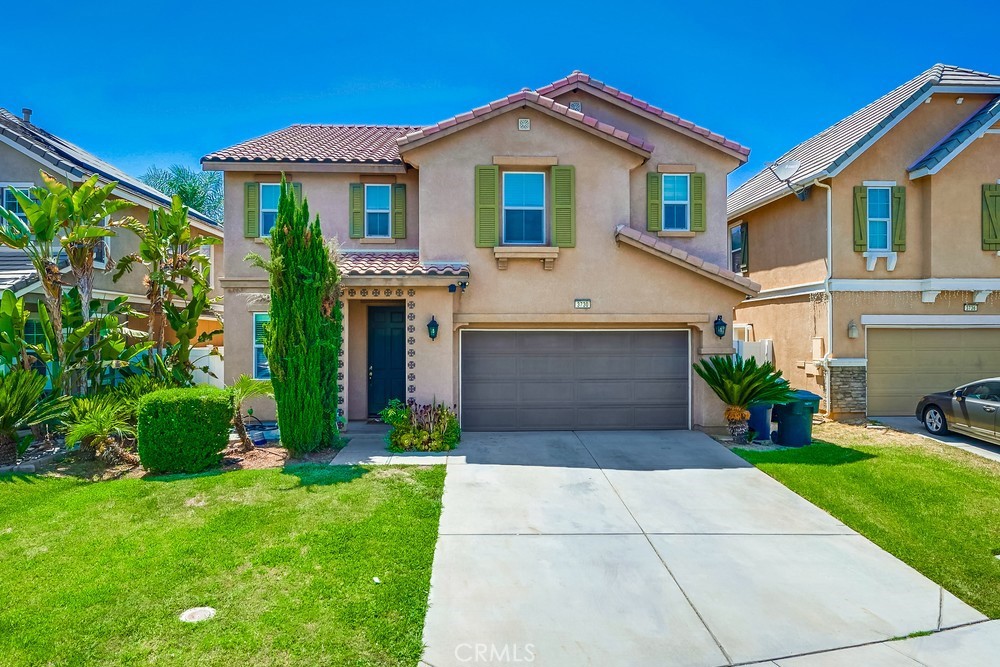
<point x="166" y="82"/>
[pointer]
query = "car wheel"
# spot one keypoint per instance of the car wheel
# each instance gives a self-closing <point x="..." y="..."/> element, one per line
<point x="934" y="421"/>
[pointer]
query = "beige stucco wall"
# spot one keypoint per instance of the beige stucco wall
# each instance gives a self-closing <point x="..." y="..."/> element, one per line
<point x="671" y="147"/>
<point x="327" y="195"/>
<point x="787" y="241"/>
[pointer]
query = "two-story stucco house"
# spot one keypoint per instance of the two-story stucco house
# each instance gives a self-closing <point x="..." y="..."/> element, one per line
<point x="569" y="244"/>
<point x="879" y="252"/>
<point x="25" y="150"/>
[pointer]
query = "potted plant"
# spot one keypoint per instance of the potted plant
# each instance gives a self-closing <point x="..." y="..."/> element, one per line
<point x="740" y="382"/>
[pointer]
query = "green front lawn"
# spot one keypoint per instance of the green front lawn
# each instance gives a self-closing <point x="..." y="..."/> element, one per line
<point x="97" y="573"/>
<point x="932" y="506"/>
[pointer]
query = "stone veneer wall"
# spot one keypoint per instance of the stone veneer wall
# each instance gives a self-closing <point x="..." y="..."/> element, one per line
<point x="848" y="390"/>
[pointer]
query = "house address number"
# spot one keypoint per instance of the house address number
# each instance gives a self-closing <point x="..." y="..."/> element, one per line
<point x="581" y="304"/>
<point x="971" y="307"/>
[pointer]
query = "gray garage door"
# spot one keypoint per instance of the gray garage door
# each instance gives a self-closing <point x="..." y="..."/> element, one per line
<point x="554" y="380"/>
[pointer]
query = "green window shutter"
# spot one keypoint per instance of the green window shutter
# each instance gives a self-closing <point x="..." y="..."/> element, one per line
<point x="357" y="211"/>
<point x="698" y="202"/>
<point x="399" y="211"/>
<point x="899" y="218"/>
<point x="487" y="206"/>
<point x="564" y="206"/>
<point x="654" y="202"/>
<point x="745" y="255"/>
<point x="297" y="189"/>
<point x="860" y="218"/>
<point x="251" y="210"/>
<point x="991" y="216"/>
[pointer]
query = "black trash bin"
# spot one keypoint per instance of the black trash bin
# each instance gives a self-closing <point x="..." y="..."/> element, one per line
<point x="794" y="419"/>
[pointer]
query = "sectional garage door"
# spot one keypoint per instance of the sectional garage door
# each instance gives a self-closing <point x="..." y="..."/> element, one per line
<point x="905" y="364"/>
<point x="582" y="380"/>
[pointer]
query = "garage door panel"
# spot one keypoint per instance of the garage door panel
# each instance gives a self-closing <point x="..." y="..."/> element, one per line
<point x="543" y="380"/>
<point x="905" y="364"/>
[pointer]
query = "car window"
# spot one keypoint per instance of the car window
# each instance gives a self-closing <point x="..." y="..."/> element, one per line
<point x="984" y="391"/>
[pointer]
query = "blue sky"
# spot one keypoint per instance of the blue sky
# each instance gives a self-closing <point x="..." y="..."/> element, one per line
<point x="166" y="82"/>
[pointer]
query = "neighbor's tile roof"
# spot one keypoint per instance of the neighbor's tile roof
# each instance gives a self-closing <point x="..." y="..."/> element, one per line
<point x="661" y="248"/>
<point x="65" y="156"/>
<point x="372" y="144"/>
<point x="578" y="77"/>
<point x="519" y="99"/>
<point x="956" y="141"/>
<point x="824" y="153"/>
<point x="396" y="263"/>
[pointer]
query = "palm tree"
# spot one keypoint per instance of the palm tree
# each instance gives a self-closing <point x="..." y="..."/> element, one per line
<point x="22" y="405"/>
<point x="739" y="383"/>
<point x="242" y="390"/>
<point x="201" y="190"/>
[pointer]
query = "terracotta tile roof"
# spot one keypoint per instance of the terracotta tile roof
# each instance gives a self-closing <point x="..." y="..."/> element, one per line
<point x="824" y="154"/>
<point x="63" y="155"/>
<point x="396" y="263"/>
<point x="578" y="78"/>
<point x="522" y="98"/>
<point x="664" y="250"/>
<point x="366" y="144"/>
<point x="959" y="138"/>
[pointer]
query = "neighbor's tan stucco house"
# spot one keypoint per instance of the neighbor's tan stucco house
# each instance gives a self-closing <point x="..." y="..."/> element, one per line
<point x="25" y="150"/>
<point x="879" y="258"/>
<point x="570" y="243"/>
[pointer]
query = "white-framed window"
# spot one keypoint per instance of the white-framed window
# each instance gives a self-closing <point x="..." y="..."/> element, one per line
<point x="524" y="208"/>
<point x="261" y="368"/>
<point x="33" y="332"/>
<point x="378" y="205"/>
<point x="676" y="202"/>
<point x="270" y="193"/>
<point x="9" y="202"/>
<point x="879" y="217"/>
<point x="737" y="242"/>
<point x="101" y="249"/>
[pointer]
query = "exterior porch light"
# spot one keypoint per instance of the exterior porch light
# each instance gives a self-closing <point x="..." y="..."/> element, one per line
<point x="852" y="330"/>
<point x="432" y="328"/>
<point x="720" y="327"/>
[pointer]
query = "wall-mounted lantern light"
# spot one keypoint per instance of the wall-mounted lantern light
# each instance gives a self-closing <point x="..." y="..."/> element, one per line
<point x="720" y="327"/>
<point x="432" y="328"/>
<point x="852" y="329"/>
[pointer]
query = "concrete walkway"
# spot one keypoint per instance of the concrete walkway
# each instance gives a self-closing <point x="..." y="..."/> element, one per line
<point x="971" y="445"/>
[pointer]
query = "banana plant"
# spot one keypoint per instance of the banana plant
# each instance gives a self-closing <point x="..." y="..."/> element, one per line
<point x="13" y="320"/>
<point x="184" y="320"/>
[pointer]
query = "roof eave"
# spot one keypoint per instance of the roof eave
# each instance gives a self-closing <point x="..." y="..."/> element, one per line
<point x="293" y="166"/>
<point x="781" y="194"/>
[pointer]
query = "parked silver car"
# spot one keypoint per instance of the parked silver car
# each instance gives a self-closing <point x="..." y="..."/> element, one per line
<point x="971" y="409"/>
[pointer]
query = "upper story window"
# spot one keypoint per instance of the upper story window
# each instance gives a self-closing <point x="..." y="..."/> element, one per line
<point x="101" y="248"/>
<point x="524" y="208"/>
<point x="9" y="201"/>
<point x="261" y="368"/>
<point x="33" y="332"/>
<point x="879" y="217"/>
<point x="378" y="204"/>
<point x="676" y="202"/>
<point x="270" y="193"/>
<point x="737" y="248"/>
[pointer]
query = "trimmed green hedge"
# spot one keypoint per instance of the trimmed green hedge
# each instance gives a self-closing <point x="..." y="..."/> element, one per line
<point x="183" y="430"/>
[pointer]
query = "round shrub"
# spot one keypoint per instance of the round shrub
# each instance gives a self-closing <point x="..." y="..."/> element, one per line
<point x="183" y="430"/>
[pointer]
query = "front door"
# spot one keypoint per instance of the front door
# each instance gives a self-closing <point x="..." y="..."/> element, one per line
<point x="386" y="356"/>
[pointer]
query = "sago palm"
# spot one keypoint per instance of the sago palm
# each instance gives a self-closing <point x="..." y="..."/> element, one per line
<point x="22" y="405"/>
<point x="739" y="383"/>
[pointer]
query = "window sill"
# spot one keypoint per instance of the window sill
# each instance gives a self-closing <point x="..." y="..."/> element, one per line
<point x="872" y="257"/>
<point x="261" y="240"/>
<point x="376" y="240"/>
<point x="676" y="234"/>
<point x="547" y="254"/>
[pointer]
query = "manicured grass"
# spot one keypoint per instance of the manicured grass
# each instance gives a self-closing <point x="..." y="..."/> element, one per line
<point x="97" y="573"/>
<point x="934" y="507"/>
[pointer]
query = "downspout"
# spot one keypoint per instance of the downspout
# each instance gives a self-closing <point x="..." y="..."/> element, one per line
<point x="825" y="361"/>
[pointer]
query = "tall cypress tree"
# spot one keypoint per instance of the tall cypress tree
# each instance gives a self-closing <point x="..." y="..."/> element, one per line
<point x="304" y="330"/>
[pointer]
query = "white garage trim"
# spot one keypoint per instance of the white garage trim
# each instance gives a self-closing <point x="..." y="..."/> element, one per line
<point x="463" y="331"/>
<point x="930" y="321"/>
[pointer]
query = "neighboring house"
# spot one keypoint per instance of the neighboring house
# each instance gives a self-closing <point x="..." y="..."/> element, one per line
<point x="26" y="149"/>
<point x="568" y="243"/>
<point x="881" y="280"/>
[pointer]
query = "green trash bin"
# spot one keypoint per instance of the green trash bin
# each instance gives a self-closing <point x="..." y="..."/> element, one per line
<point x="794" y="419"/>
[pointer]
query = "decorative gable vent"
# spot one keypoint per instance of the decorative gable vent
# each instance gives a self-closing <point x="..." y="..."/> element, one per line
<point x="576" y="105"/>
<point x="524" y="124"/>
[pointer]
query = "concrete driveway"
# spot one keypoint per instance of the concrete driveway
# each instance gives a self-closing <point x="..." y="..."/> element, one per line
<point x="651" y="548"/>
<point x="971" y="445"/>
